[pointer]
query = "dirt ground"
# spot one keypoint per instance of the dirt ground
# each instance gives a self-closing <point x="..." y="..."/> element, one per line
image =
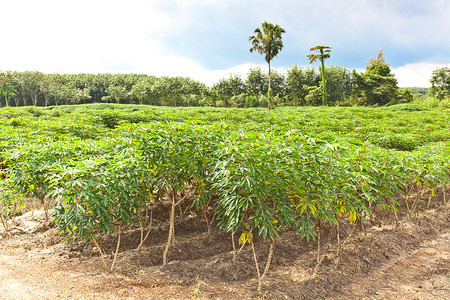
<point x="407" y="258"/>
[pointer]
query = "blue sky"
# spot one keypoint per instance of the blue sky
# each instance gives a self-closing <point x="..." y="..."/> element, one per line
<point x="208" y="39"/>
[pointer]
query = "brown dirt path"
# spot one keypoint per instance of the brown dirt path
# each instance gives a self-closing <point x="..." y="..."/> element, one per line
<point x="409" y="261"/>
<point x="25" y="275"/>
<point x="421" y="274"/>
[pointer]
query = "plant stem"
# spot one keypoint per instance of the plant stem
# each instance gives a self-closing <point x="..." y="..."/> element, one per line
<point x="234" y="247"/>
<point x="148" y="232"/>
<point x="142" y="227"/>
<point x="408" y="211"/>
<point x="257" y="268"/>
<point x="346" y="240"/>
<point x="429" y="199"/>
<point x="171" y="229"/>
<point x="94" y="239"/>
<point x="338" y="240"/>
<point x="363" y="228"/>
<point x="269" y="259"/>
<point x="318" y="245"/>
<point x="117" y="248"/>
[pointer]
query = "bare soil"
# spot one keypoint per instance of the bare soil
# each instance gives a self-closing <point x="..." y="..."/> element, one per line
<point x="388" y="258"/>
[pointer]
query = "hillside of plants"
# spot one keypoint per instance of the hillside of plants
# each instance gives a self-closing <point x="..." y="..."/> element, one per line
<point x="107" y="168"/>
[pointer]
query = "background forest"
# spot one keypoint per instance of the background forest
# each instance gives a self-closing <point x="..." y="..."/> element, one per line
<point x="298" y="86"/>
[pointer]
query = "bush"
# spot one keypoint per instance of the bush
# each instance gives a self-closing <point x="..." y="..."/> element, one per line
<point x="431" y="102"/>
<point x="405" y="95"/>
<point x="16" y="122"/>
<point x="110" y="120"/>
<point x="397" y="142"/>
<point x="35" y="111"/>
<point x="56" y="114"/>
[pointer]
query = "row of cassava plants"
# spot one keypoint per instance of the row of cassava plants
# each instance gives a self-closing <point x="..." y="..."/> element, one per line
<point x="403" y="127"/>
<point x="259" y="182"/>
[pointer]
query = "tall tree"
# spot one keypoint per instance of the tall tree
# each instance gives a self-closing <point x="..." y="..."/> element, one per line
<point x="338" y="84"/>
<point x="380" y="86"/>
<point x="294" y="83"/>
<point x="223" y="91"/>
<point x="324" y="53"/>
<point x="440" y="82"/>
<point x="116" y="92"/>
<point x="267" y="42"/>
<point x="257" y="82"/>
<point x="278" y="84"/>
<point x="46" y="87"/>
<point x="141" y="91"/>
<point x="31" y="84"/>
<point x="7" y="90"/>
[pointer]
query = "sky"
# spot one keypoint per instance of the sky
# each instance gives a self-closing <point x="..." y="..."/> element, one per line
<point x="207" y="40"/>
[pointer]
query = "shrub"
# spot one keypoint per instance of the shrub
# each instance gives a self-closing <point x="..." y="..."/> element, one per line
<point x="35" y="111"/>
<point x="110" y="120"/>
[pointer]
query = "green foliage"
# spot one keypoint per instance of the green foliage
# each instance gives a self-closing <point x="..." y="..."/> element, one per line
<point x="100" y="194"/>
<point x="431" y="102"/>
<point x="324" y="53"/>
<point x="261" y="172"/>
<point x="35" y="111"/>
<point x="377" y="86"/>
<point x="7" y="90"/>
<point x="338" y="80"/>
<point x="398" y="142"/>
<point x="110" y="119"/>
<point x="267" y="42"/>
<point x="17" y="122"/>
<point x="286" y="89"/>
<point x="11" y="202"/>
<point x="299" y="82"/>
<point x="257" y="81"/>
<point x="440" y="81"/>
<point x="313" y="95"/>
<point x="116" y="93"/>
<point x="405" y="95"/>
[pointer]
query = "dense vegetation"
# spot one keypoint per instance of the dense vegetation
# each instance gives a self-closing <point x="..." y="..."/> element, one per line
<point x="252" y="171"/>
<point x="105" y="168"/>
<point x="299" y="86"/>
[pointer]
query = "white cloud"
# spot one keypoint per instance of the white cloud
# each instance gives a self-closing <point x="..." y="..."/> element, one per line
<point x="143" y="36"/>
<point x="88" y="37"/>
<point x="416" y="74"/>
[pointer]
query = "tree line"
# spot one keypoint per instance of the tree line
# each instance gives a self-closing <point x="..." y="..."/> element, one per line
<point x="332" y="85"/>
<point x="298" y="86"/>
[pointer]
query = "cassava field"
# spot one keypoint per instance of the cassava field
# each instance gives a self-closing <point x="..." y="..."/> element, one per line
<point x="137" y="202"/>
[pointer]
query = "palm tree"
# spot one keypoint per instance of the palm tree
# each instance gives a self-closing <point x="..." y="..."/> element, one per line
<point x="268" y="42"/>
<point x="324" y="53"/>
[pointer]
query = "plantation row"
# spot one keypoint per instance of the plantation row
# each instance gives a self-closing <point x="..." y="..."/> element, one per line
<point x="108" y="167"/>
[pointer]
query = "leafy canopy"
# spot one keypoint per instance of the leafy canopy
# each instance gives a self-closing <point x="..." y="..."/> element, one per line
<point x="324" y="53"/>
<point x="267" y="42"/>
<point x="440" y="82"/>
<point x="378" y="65"/>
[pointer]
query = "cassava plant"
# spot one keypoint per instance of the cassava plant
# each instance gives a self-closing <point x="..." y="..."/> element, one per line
<point x="174" y="157"/>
